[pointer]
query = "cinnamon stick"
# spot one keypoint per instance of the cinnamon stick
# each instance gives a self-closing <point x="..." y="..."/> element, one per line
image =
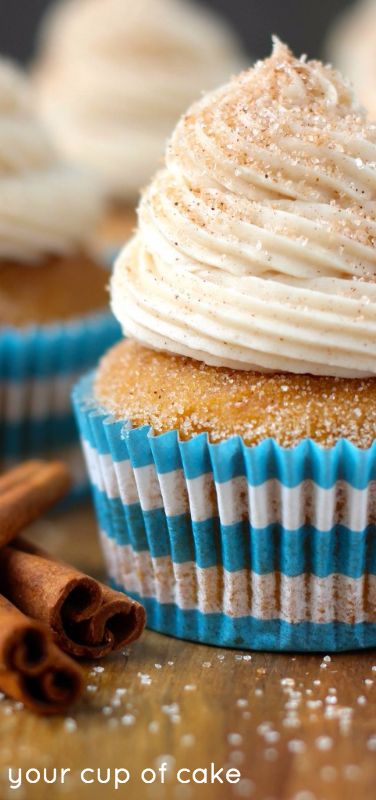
<point x="88" y="620"/>
<point x="26" y="492"/>
<point x="32" y="669"/>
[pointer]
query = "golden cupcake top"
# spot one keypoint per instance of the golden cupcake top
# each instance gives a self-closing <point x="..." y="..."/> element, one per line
<point x="256" y="243"/>
<point x="114" y="76"/>
<point x="46" y="208"/>
<point x="170" y="392"/>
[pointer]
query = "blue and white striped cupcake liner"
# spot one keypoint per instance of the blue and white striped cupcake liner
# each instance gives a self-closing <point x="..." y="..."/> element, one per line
<point x="252" y="547"/>
<point x="38" y="366"/>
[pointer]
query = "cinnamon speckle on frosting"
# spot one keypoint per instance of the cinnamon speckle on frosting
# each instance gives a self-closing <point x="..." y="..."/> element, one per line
<point x="263" y="223"/>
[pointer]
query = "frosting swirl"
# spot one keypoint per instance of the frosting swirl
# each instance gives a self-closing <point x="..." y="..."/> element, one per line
<point x="113" y="79"/>
<point x="256" y="243"/>
<point x="45" y="207"/>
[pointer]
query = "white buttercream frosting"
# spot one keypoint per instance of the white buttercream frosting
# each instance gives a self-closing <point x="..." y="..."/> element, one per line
<point x="352" y="48"/>
<point x="256" y="244"/>
<point x="45" y="206"/>
<point x="114" y="76"/>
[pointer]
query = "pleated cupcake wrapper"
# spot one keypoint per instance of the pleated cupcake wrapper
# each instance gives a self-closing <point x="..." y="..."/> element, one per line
<point x="252" y="547"/>
<point x="38" y="367"/>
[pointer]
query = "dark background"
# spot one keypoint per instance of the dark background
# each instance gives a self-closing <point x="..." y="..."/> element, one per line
<point x="301" y="23"/>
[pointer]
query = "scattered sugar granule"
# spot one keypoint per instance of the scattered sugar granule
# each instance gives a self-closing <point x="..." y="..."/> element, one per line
<point x="145" y="679"/>
<point x="128" y="719"/>
<point x="171" y="709"/>
<point x="324" y="743"/>
<point x="259" y="692"/>
<point x="296" y="746"/>
<point x="328" y="773"/>
<point x="98" y="669"/>
<point x="263" y="728"/>
<point x="371" y="743"/>
<point x="158" y="666"/>
<point x="292" y="705"/>
<point x="237" y="757"/>
<point x="361" y="700"/>
<point x="313" y="704"/>
<point x="153" y="727"/>
<point x="187" y="740"/>
<point x="352" y="772"/>
<point x="70" y="725"/>
<point x="270" y="754"/>
<point x="91" y="688"/>
<point x="120" y="691"/>
<point x="242" y="702"/>
<point x="327" y="659"/>
<point x="165" y="759"/>
<point x="190" y="687"/>
<point x="206" y="664"/>
<point x="291" y="722"/>
<point x="244" y="788"/>
<point x="271" y="737"/>
<point x="106" y="710"/>
<point x="331" y="700"/>
<point x="235" y="739"/>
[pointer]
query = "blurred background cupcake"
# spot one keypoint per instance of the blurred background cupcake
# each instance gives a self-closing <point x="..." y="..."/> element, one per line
<point x="54" y="320"/>
<point x="231" y="438"/>
<point x="351" y="46"/>
<point x="113" y="77"/>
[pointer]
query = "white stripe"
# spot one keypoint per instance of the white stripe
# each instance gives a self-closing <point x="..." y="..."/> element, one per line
<point x="235" y="500"/>
<point x="36" y="398"/>
<point x="202" y="497"/>
<point x="92" y="459"/>
<point x="304" y="598"/>
<point x="125" y="484"/>
<point x="149" y="491"/>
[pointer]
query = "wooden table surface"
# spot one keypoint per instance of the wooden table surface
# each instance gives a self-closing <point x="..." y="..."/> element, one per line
<point x="296" y="727"/>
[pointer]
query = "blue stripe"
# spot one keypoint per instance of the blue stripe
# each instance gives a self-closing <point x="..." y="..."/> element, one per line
<point x="231" y="458"/>
<point x="248" y="633"/>
<point x="36" y="437"/>
<point x="239" y="546"/>
<point x="62" y="349"/>
<point x="48" y="352"/>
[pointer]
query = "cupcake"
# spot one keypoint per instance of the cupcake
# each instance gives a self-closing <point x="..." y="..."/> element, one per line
<point x="230" y="438"/>
<point x="351" y="46"/>
<point x="54" y="320"/>
<point x="113" y="78"/>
